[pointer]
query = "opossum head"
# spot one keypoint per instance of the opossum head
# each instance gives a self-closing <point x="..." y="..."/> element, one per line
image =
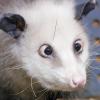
<point x="53" y="47"/>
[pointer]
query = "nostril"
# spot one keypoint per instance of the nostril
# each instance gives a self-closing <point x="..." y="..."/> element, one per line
<point x="79" y="83"/>
<point x="75" y="83"/>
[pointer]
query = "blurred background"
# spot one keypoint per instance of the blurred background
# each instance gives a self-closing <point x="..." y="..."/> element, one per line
<point x="92" y="26"/>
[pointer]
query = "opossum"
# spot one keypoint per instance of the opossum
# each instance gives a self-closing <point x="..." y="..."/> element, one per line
<point x="43" y="47"/>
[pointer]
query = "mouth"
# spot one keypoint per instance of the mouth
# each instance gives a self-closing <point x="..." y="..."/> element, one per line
<point x="67" y="89"/>
<point x="61" y="95"/>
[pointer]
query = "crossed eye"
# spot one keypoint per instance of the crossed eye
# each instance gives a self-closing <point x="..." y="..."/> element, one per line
<point x="78" y="46"/>
<point x="45" y="50"/>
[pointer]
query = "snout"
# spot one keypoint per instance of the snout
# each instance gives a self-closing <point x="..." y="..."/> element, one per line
<point x="78" y="83"/>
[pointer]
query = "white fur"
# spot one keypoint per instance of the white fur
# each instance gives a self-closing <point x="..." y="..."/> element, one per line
<point x="57" y="72"/>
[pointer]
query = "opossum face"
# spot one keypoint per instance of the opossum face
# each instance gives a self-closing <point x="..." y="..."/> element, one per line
<point x="54" y="47"/>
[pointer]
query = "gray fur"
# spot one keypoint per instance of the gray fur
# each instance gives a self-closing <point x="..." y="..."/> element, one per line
<point x="14" y="82"/>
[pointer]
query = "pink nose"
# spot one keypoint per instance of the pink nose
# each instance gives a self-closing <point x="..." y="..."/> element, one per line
<point x="78" y="83"/>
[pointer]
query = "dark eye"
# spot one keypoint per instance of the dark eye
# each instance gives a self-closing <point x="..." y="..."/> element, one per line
<point x="78" y="46"/>
<point x="45" y="51"/>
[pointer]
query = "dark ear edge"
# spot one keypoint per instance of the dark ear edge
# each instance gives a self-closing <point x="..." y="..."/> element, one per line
<point x="12" y="24"/>
<point x="85" y="8"/>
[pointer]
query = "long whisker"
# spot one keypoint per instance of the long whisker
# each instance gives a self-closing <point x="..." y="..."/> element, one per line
<point x="34" y="94"/>
<point x="23" y="89"/>
<point x="20" y="91"/>
<point x="11" y="68"/>
<point x="41" y="95"/>
<point x="93" y="68"/>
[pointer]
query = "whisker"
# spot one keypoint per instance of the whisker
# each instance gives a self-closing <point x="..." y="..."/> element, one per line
<point x="20" y="91"/>
<point x="35" y="83"/>
<point x="13" y="68"/>
<point x="41" y="91"/>
<point x="94" y="53"/>
<point x="34" y="94"/>
<point x="94" y="68"/>
<point x="23" y="90"/>
<point x="41" y="95"/>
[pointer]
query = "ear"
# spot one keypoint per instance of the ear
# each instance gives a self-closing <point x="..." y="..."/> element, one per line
<point x="12" y="24"/>
<point x="85" y="8"/>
